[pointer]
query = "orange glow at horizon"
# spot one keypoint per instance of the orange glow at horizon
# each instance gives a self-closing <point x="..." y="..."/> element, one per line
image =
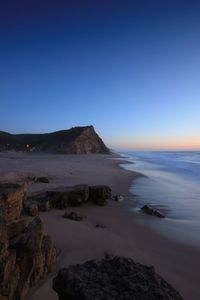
<point x="158" y="143"/>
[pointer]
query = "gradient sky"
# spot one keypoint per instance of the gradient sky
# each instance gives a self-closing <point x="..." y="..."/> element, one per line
<point x="130" y="68"/>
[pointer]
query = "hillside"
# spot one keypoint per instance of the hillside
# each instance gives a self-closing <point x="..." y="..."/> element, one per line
<point x="77" y="140"/>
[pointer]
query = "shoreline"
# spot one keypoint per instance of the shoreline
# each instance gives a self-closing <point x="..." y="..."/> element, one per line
<point x="122" y="235"/>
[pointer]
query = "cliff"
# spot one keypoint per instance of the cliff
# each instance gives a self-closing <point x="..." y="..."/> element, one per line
<point x="77" y="140"/>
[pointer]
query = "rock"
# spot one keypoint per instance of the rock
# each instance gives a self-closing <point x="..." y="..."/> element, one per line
<point x="26" y="253"/>
<point x="12" y="197"/>
<point x="16" y="228"/>
<point x="99" y="194"/>
<point x="41" y="200"/>
<point x="49" y="254"/>
<point x="72" y="216"/>
<point x="34" y="257"/>
<point x="118" y="198"/>
<point x="69" y="196"/>
<point x="33" y="210"/>
<point x="42" y="179"/>
<point x="113" y="278"/>
<point x="151" y="211"/>
<point x="99" y="226"/>
<point x="44" y="205"/>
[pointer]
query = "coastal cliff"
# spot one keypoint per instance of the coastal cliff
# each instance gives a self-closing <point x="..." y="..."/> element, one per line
<point x="77" y="140"/>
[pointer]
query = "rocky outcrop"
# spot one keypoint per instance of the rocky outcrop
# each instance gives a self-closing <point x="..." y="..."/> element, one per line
<point x="99" y="194"/>
<point x="26" y="256"/>
<point x="113" y="278"/>
<point x="152" y="211"/>
<point x="68" y="196"/>
<point x="12" y="197"/>
<point x="26" y="253"/>
<point x="77" y="140"/>
<point x="76" y="195"/>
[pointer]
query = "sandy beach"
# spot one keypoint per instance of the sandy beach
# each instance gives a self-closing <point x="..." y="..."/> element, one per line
<point x="122" y="235"/>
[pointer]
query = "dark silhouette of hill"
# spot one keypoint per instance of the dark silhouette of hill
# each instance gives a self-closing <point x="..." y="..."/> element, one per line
<point x="77" y="140"/>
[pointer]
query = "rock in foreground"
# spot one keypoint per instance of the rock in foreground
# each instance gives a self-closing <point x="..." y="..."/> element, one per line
<point x="114" y="278"/>
<point x="26" y="256"/>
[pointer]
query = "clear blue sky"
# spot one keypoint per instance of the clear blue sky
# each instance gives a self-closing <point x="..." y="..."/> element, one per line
<point x="130" y="68"/>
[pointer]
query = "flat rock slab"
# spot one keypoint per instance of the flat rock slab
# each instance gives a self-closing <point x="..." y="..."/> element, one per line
<point x="113" y="278"/>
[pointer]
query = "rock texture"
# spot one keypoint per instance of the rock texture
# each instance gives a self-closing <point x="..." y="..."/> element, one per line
<point x="69" y="196"/>
<point x="152" y="211"/>
<point x="113" y="278"/>
<point x="76" y="195"/>
<point x="12" y="197"/>
<point x="77" y="140"/>
<point x="26" y="253"/>
<point x="99" y="194"/>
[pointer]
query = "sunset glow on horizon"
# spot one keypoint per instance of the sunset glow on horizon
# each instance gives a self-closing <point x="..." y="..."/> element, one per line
<point x="159" y="144"/>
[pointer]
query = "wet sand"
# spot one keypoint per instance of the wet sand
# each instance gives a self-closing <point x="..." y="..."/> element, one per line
<point x="122" y="235"/>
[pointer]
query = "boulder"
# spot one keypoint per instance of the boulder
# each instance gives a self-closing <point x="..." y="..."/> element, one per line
<point x="33" y="210"/>
<point x="72" y="216"/>
<point x="40" y="199"/>
<point x="99" y="194"/>
<point x="69" y="196"/>
<point x="12" y="197"/>
<point x="99" y="226"/>
<point x="44" y="205"/>
<point x="42" y="179"/>
<point x="113" y="278"/>
<point x="152" y="211"/>
<point x="118" y="198"/>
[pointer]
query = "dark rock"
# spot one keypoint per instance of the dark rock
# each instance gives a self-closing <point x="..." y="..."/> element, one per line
<point x="42" y="179"/>
<point x="72" y="216"/>
<point x="32" y="178"/>
<point x="69" y="196"/>
<point x="33" y="210"/>
<point x="99" y="226"/>
<point x="44" y="206"/>
<point x="99" y="194"/>
<point x="152" y="211"/>
<point x="118" y="198"/>
<point x="115" y="278"/>
<point x="41" y="200"/>
<point x="16" y="228"/>
<point x="12" y="197"/>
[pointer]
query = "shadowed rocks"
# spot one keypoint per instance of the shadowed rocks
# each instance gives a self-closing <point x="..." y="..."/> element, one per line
<point x="152" y="211"/>
<point x="76" y="195"/>
<point x="113" y="278"/>
<point x="26" y="253"/>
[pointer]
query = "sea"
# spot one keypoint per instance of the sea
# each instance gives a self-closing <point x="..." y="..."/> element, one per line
<point x="171" y="183"/>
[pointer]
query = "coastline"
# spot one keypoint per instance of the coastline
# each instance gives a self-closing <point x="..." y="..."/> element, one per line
<point x="122" y="235"/>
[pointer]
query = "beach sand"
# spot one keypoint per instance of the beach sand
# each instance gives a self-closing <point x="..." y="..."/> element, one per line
<point x="122" y="235"/>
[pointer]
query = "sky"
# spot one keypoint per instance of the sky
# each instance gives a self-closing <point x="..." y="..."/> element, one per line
<point x="130" y="68"/>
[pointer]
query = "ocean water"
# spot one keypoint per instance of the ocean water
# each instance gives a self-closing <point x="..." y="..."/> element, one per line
<point x="171" y="184"/>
